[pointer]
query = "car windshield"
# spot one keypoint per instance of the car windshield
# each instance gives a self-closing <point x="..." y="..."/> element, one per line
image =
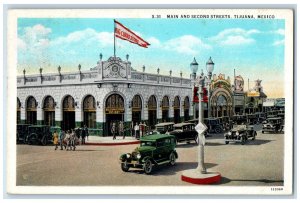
<point x="177" y="128"/>
<point x="159" y="129"/>
<point x="148" y="143"/>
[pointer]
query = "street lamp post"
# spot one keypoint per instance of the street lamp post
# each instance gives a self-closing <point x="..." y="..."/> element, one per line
<point x="200" y="174"/>
<point x="210" y="68"/>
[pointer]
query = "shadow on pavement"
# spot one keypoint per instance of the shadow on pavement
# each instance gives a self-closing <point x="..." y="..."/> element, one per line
<point x="171" y="170"/>
<point x="225" y="180"/>
<point x="179" y="167"/>
<point x="186" y="145"/>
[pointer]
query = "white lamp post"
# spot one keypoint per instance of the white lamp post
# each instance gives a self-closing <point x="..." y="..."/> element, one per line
<point x="200" y="174"/>
<point x="210" y="68"/>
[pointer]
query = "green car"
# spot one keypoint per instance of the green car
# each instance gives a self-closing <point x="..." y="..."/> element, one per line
<point x="154" y="150"/>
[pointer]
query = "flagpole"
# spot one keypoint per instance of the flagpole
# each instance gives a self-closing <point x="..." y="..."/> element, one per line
<point x="114" y="38"/>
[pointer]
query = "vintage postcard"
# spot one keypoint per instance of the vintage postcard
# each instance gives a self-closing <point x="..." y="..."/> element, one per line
<point x="150" y="101"/>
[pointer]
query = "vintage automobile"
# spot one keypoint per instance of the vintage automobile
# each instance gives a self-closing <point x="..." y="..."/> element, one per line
<point x="214" y="125"/>
<point x="261" y="116"/>
<point x="41" y="134"/>
<point x="240" y="133"/>
<point x="154" y="150"/>
<point x="184" y="132"/>
<point x="226" y="122"/>
<point x="239" y="119"/>
<point x="22" y="133"/>
<point x="252" y="119"/>
<point x="274" y="124"/>
<point x="162" y="128"/>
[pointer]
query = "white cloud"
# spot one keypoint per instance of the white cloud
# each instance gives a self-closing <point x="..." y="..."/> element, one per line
<point x="235" y="36"/>
<point x="280" y="32"/>
<point x="278" y="42"/>
<point x="21" y="44"/>
<point x="154" y="42"/>
<point x="186" y="44"/>
<point x="85" y="36"/>
<point x="237" y="40"/>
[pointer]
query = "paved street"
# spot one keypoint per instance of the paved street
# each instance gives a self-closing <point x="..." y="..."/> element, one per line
<point x="257" y="163"/>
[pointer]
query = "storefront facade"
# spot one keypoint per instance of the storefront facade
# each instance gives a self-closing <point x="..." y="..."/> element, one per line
<point x="110" y="92"/>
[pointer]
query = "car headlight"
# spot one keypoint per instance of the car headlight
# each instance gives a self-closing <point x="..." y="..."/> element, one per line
<point x="138" y="156"/>
<point x="128" y="156"/>
<point x="229" y="133"/>
<point x="237" y="133"/>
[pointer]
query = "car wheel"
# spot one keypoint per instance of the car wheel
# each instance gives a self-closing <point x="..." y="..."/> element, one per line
<point x="262" y="132"/>
<point x="44" y="141"/>
<point x="218" y="130"/>
<point x="226" y="142"/>
<point x="172" y="159"/>
<point x="148" y="167"/>
<point x="124" y="166"/>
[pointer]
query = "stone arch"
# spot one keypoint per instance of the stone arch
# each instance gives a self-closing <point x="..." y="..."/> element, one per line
<point x="176" y="106"/>
<point x="68" y="109"/>
<point x="221" y="103"/>
<point x="152" y="111"/>
<point x="89" y="111"/>
<point x="49" y="110"/>
<point x="165" y="107"/>
<point x="137" y="108"/>
<point x="186" y="108"/>
<point x="31" y="110"/>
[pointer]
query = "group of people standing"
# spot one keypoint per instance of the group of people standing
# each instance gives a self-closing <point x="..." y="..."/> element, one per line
<point x="70" y="138"/>
<point x="137" y="130"/>
<point x="117" y="127"/>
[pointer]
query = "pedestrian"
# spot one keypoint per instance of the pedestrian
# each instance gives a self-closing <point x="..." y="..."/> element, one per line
<point x="113" y="130"/>
<point x="61" y="139"/>
<point x="145" y="128"/>
<point x="55" y="139"/>
<point x="86" y="132"/>
<point x="83" y="136"/>
<point x="73" y="140"/>
<point x="121" y="129"/>
<point x="67" y="140"/>
<point x="136" y="129"/>
<point x="141" y="129"/>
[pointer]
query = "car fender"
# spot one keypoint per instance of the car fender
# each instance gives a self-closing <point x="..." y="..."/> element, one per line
<point x="146" y="158"/>
<point x="176" y="154"/>
<point x="123" y="157"/>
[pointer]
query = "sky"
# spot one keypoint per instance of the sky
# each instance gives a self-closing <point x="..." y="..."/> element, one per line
<point x="253" y="47"/>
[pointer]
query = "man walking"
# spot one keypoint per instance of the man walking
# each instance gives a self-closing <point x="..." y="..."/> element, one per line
<point x="113" y="130"/>
<point x="61" y="139"/>
<point x="121" y="129"/>
<point x="83" y="134"/>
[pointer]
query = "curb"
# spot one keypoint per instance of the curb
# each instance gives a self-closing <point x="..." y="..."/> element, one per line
<point x="112" y="143"/>
<point x="202" y="181"/>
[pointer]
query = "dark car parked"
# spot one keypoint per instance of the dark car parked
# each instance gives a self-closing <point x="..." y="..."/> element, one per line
<point x="154" y="150"/>
<point x="273" y="125"/>
<point x="240" y="133"/>
<point x="22" y="133"/>
<point x="252" y="119"/>
<point x="162" y="128"/>
<point x="41" y="134"/>
<point x="185" y="132"/>
<point x="214" y="125"/>
<point x="226" y="121"/>
<point x="239" y="119"/>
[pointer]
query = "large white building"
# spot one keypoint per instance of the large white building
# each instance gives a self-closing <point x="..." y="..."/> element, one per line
<point x="111" y="91"/>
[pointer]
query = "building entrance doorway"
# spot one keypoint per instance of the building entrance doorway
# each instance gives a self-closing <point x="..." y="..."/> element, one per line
<point x="68" y="122"/>
<point x="114" y="112"/>
<point x="152" y="109"/>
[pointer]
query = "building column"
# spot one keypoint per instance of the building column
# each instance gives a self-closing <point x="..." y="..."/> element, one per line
<point x="100" y="119"/>
<point x="58" y="115"/>
<point x="171" y="113"/>
<point x="39" y="115"/>
<point x="23" y="114"/>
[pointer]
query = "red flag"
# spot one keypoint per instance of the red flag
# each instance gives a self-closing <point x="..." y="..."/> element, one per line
<point x="124" y="33"/>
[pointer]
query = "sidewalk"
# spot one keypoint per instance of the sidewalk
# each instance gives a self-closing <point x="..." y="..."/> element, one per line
<point x="108" y="141"/>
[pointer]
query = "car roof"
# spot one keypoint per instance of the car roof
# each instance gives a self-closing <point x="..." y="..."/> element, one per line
<point x="183" y="124"/>
<point x="163" y="124"/>
<point x="155" y="137"/>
